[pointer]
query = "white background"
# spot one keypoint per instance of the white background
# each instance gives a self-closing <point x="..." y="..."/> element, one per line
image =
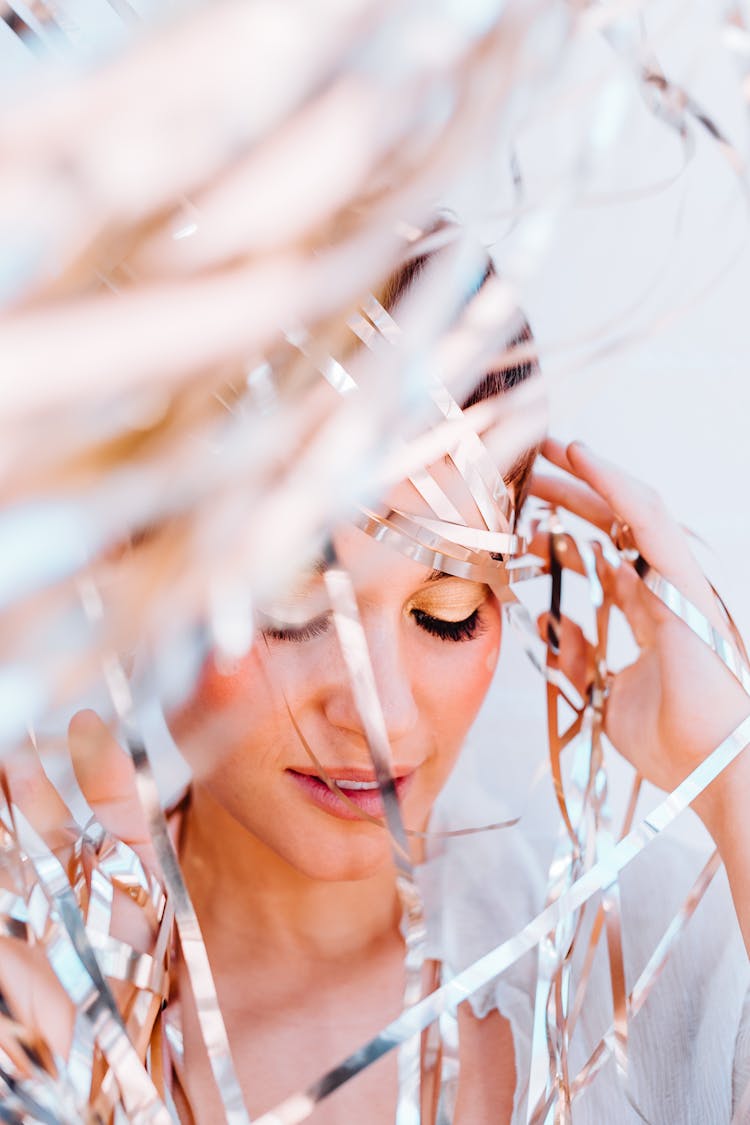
<point x="658" y="281"/>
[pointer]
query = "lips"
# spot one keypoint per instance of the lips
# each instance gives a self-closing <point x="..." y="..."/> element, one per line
<point x="359" y="786"/>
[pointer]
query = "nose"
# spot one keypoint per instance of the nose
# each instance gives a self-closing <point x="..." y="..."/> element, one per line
<point x="393" y="681"/>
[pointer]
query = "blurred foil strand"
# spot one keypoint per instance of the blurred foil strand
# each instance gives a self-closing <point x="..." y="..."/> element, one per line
<point x="173" y="244"/>
<point x="598" y="877"/>
<point x="353" y="644"/>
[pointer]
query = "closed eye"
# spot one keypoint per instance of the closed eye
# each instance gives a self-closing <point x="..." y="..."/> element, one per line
<point x="298" y="633"/>
<point x="465" y="630"/>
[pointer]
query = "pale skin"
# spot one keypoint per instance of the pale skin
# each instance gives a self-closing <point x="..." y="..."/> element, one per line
<point x="297" y="906"/>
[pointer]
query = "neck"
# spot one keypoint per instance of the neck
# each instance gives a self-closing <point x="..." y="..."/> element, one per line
<point x="247" y="896"/>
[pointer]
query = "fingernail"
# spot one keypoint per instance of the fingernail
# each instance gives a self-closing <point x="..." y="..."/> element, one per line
<point x="580" y="447"/>
<point x="85" y="729"/>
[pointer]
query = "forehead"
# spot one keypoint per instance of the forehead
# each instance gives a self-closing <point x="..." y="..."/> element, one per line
<point x="413" y="498"/>
<point x="370" y="561"/>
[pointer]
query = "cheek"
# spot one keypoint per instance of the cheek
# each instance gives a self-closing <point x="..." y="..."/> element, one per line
<point x="217" y="690"/>
<point x="228" y="718"/>
<point x="256" y="686"/>
<point x="460" y="675"/>
<point x="242" y="716"/>
<point x="220" y="694"/>
<point x="455" y="681"/>
<point x="475" y="682"/>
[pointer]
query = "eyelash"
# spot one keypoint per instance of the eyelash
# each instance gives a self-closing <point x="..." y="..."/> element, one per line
<point x="455" y="631"/>
<point x="465" y="630"/>
<point x="297" y="634"/>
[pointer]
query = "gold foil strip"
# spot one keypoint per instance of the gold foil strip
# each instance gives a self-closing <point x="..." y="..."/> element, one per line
<point x="446" y="556"/>
<point x="199" y="973"/>
<point x="191" y="941"/>
<point x="20" y="1103"/>
<point x="665" y="99"/>
<point x="611" y="900"/>
<point x="21" y="27"/>
<point x="436" y="834"/>
<point x="381" y="326"/>
<point x="470" y="455"/>
<point x="617" y="1039"/>
<point x="671" y="597"/>
<point x="354" y="649"/>
<point x="432" y="494"/>
<point x="521" y="621"/>
<point x="656" y="962"/>
<point x="332" y="371"/>
<point x="101" y="893"/>
<point x="554" y="1018"/>
<point x="471" y="458"/>
<point x="381" y="319"/>
<point x="90" y="879"/>
<point x="550" y="1038"/>
<point x="74" y="963"/>
<point x="494" y="542"/>
<point x="476" y="466"/>
<point x="41" y="1087"/>
<point x="382" y="530"/>
<point x="548" y="1071"/>
<point x="598" y="924"/>
<point x="481" y="972"/>
<point x="608" y="1045"/>
<point x="552" y="1028"/>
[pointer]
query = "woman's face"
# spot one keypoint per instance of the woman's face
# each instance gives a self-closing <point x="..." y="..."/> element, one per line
<point x="433" y="642"/>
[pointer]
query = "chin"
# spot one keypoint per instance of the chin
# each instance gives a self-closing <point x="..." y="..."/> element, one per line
<point x="367" y="852"/>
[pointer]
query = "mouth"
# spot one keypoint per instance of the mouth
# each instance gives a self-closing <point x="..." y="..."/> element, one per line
<point x="358" y="786"/>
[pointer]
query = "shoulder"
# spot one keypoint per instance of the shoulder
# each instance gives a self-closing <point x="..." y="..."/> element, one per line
<point x="683" y="958"/>
<point x="686" y="963"/>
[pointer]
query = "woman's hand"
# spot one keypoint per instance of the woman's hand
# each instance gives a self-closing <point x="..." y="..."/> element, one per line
<point x="670" y="708"/>
<point x="106" y="776"/>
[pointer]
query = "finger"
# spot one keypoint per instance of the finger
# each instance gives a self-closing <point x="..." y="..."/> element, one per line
<point x="636" y="504"/>
<point x="34" y="995"/>
<point x="38" y="799"/>
<point x="576" y="658"/>
<point x="17" y="1043"/>
<point x="612" y="492"/>
<point x="107" y="778"/>
<point x="622" y="586"/>
<point x="574" y="497"/>
<point x="106" y="775"/>
<point x="658" y="537"/>
<point x="556" y="452"/>
<point x="631" y="499"/>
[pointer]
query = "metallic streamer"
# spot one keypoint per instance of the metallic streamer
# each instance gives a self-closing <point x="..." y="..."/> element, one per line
<point x="74" y="962"/>
<point x="729" y="654"/>
<point x="477" y="975"/>
<point x="353" y="644"/>
<point x="459" y="551"/>
<point x="191" y="941"/>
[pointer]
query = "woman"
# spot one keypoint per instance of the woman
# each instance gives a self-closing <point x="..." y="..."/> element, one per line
<point x="282" y="843"/>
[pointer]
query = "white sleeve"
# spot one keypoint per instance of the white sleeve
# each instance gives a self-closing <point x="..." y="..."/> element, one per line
<point x="741" y="1072"/>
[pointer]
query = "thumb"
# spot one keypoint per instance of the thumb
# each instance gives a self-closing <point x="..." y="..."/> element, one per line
<point x="106" y="775"/>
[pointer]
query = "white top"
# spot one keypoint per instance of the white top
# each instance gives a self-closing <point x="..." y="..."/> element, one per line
<point x="689" y="1045"/>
